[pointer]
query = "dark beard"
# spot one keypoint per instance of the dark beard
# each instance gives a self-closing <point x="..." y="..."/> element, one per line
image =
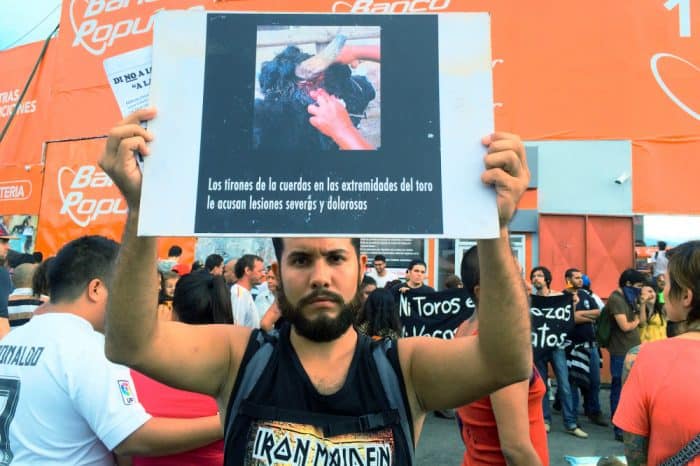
<point x="322" y="329"/>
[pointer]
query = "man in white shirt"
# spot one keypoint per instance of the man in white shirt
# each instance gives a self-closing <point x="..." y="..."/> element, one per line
<point x="65" y="403"/>
<point x="659" y="262"/>
<point x="249" y="272"/>
<point x="380" y="274"/>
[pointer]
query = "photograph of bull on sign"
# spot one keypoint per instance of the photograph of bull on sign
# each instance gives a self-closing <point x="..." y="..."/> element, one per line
<point x="317" y="88"/>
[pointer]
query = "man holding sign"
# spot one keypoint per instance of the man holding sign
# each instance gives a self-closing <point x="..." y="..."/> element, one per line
<point x="550" y="331"/>
<point x="320" y="395"/>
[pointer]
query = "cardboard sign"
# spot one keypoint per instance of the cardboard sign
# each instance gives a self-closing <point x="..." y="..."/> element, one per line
<point x="264" y="130"/>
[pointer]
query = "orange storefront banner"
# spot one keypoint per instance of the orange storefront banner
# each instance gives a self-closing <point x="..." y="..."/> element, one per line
<point x="80" y="199"/>
<point x="24" y="139"/>
<point x="20" y="189"/>
<point x="622" y="70"/>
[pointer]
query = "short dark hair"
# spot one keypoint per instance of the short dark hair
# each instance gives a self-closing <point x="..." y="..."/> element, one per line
<point x="79" y="262"/>
<point x="212" y="261"/>
<point x="470" y="271"/>
<point x="366" y="280"/>
<point x="545" y="271"/>
<point x="196" y="266"/>
<point x="40" y="280"/>
<point x="379" y="257"/>
<point x="632" y="276"/>
<point x="175" y="251"/>
<point x="202" y="298"/>
<point x="246" y="261"/>
<point x="661" y="245"/>
<point x="278" y="244"/>
<point x="568" y="275"/>
<point x="453" y="281"/>
<point x="415" y="262"/>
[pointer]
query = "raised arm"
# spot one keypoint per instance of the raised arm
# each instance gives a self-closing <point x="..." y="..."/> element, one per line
<point x="445" y="374"/>
<point x="197" y="358"/>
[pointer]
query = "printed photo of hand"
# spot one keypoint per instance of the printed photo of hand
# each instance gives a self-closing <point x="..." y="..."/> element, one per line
<point x="329" y="116"/>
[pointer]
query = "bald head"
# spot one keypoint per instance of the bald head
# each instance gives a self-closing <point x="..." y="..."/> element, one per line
<point x="23" y="275"/>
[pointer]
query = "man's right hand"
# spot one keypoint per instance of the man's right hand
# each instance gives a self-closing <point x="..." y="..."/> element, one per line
<point x="119" y="158"/>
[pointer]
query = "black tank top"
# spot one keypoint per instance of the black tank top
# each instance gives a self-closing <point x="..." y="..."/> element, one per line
<point x="286" y="421"/>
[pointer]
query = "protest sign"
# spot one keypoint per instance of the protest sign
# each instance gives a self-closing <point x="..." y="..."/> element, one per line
<point x="129" y="76"/>
<point x="552" y="318"/>
<point x="319" y="124"/>
<point x="434" y="314"/>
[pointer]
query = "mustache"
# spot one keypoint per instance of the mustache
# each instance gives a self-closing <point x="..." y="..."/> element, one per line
<point x="319" y="294"/>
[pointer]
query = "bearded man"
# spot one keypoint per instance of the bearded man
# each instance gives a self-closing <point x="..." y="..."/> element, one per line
<point x="320" y="396"/>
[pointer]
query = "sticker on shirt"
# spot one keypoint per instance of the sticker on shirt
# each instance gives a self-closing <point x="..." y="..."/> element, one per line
<point x="290" y="444"/>
<point x="125" y="390"/>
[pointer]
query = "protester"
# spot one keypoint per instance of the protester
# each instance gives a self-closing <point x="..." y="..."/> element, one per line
<point x="658" y="405"/>
<point x="272" y="317"/>
<point x="624" y="306"/>
<point x="200" y="298"/>
<point x="367" y="286"/>
<point x="319" y="368"/>
<point x="168" y="283"/>
<point x="229" y="272"/>
<point x="173" y="259"/>
<point x="659" y="262"/>
<point x="214" y="264"/>
<point x="541" y="279"/>
<point x="23" y="301"/>
<point x="507" y="427"/>
<point x="76" y="407"/>
<point x="415" y="274"/>
<point x="655" y="326"/>
<point x="249" y="273"/>
<point x="379" y="272"/>
<point x="453" y="281"/>
<point x="379" y="317"/>
<point x="583" y="354"/>
<point x="40" y="280"/>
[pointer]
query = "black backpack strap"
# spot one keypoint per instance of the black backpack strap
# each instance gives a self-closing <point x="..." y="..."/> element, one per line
<point x="251" y="375"/>
<point x="392" y="390"/>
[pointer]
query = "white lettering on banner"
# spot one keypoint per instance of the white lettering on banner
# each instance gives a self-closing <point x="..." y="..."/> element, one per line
<point x="399" y="6"/>
<point x="421" y="331"/>
<point x="664" y="87"/>
<point x="96" y="36"/>
<point x="77" y="205"/>
<point x="17" y="190"/>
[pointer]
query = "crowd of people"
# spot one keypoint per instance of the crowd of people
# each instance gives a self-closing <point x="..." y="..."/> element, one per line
<point x="110" y="355"/>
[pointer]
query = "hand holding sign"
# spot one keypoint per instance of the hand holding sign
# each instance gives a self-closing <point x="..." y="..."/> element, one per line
<point x="119" y="160"/>
<point x="507" y="170"/>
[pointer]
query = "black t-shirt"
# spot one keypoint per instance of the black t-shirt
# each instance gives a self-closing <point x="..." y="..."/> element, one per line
<point x="285" y="419"/>
<point x="584" y="333"/>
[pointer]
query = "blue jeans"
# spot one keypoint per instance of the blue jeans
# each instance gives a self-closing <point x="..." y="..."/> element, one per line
<point x="616" y="364"/>
<point x="591" y="399"/>
<point x="557" y="358"/>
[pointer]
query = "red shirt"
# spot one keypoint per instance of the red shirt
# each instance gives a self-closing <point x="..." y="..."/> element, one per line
<point x="480" y="434"/>
<point x="660" y="399"/>
<point x="163" y="401"/>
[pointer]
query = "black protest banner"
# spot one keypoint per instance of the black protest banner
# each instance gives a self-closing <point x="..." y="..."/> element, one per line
<point x="552" y="319"/>
<point x="434" y="314"/>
